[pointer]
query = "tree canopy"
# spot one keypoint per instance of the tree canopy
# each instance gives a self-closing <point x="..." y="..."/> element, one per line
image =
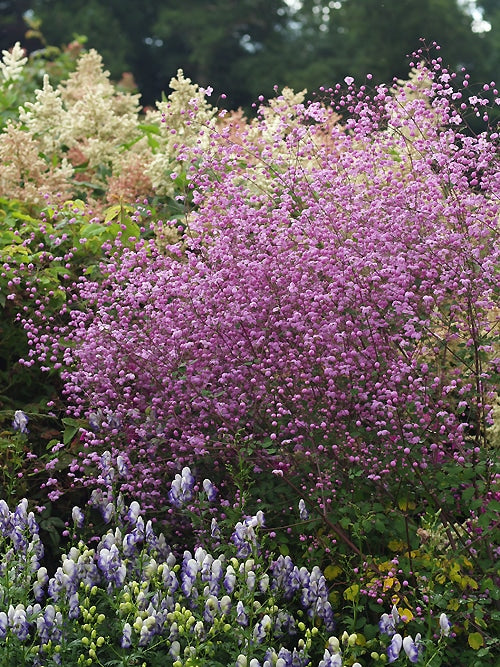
<point x="244" y="47"/>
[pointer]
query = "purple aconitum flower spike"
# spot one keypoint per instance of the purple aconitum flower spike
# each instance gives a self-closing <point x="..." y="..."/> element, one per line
<point x="256" y="521"/>
<point x="225" y="604"/>
<point x="18" y="539"/>
<point x="262" y="629"/>
<point x="410" y="647"/>
<point x="121" y="466"/>
<point x="150" y="536"/>
<point x="264" y="583"/>
<point x="4" y="624"/>
<point x="170" y="580"/>
<point x="95" y="419"/>
<point x="111" y="565"/>
<point x="70" y="569"/>
<point x="40" y="584"/>
<point x="386" y="625"/>
<point x="18" y="622"/>
<point x="49" y="616"/>
<point x="250" y="580"/>
<point x="239" y="538"/>
<point x="73" y="606"/>
<point x="210" y="490"/>
<point x="148" y="630"/>
<point x="444" y="624"/>
<point x="108" y="512"/>
<point x="211" y="609"/>
<point x="191" y="568"/>
<point x="285" y="658"/>
<point x="174" y="495"/>
<point x="241" y="615"/>
<point x="214" y="529"/>
<point x="37" y="551"/>
<point x="126" y="639"/>
<point x="303" y="513"/>
<point x="21" y="513"/>
<point x="131" y="540"/>
<point x="388" y="622"/>
<point x="175" y="650"/>
<point x="394" y="647"/>
<point x="229" y="579"/>
<point x="331" y="659"/>
<point x="187" y="481"/>
<point x="5" y="517"/>
<point x="133" y="512"/>
<point x="20" y="422"/>
<point x="215" y="576"/>
<point x="33" y="526"/>
<point x="188" y="575"/>
<point x="78" y="517"/>
<point x="395" y="615"/>
<point x="181" y="489"/>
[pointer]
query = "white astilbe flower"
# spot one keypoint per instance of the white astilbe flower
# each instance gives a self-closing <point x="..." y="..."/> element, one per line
<point x="282" y="106"/>
<point x="12" y="62"/>
<point x="85" y="121"/>
<point x="184" y="120"/>
<point x="185" y="95"/>
<point x="44" y="118"/>
<point x="23" y="173"/>
<point x="98" y="120"/>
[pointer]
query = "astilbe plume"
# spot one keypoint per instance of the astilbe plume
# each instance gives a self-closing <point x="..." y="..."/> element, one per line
<point x="86" y="116"/>
<point x="12" y="63"/>
<point x="332" y="270"/>
<point x="186" y="121"/>
<point x="88" y="130"/>
<point x="24" y="174"/>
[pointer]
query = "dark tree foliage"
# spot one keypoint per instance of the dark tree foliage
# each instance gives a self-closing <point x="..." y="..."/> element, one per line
<point x="245" y="47"/>
<point x="13" y="26"/>
<point x="490" y="61"/>
<point x="213" y="41"/>
<point x="354" y="38"/>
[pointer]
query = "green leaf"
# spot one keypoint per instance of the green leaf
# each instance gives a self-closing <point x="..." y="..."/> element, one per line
<point x="92" y="229"/>
<point x="15" y="250"/>
<point x="150" y="129"/>
<point x="72" y="427"/>
<point x="352" y="593"/>
<point x="475" y="640"/>
<point x="468" y="493"/>
<point x="113" y="212"/>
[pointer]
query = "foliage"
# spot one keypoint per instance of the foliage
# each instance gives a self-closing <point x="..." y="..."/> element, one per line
<point x="391" y="231"/>
<point x="128" y="599"/>
<point x="244" y="48"/>
<point x="58" y="63"/>
<point x="303" y="309"/>
<point x="86" y="139"/>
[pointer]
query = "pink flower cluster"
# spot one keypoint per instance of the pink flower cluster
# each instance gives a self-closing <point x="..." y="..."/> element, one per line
<point x="336" y="297"/>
